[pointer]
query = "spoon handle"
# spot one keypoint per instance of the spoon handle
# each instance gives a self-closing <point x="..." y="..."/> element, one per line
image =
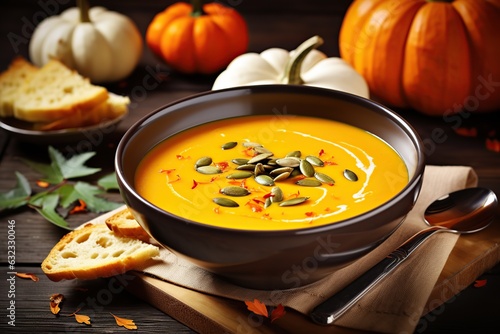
<point x="331" y="309"/>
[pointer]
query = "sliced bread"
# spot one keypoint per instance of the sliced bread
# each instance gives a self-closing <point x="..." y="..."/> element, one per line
<point x="10" y="82"/>
<point x="95" y="251"/>
<point x="55" y="92"/>
<point x="123" y="223"/>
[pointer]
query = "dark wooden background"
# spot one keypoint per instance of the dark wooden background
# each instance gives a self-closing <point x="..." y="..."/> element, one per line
<point x="271" y="24"/>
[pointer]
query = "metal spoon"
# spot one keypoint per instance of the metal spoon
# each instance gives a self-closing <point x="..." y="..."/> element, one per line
<point x="464" y="211"/>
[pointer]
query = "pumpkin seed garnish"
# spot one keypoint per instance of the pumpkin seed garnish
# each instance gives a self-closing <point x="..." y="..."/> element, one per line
<point x="323" y="178"/>
<point x="296" y="154"/>
<point x="260" y="157"/>
<point x="240" y="175"/>
<point x="234" y="191"/>
<point x="306" y="168"/>
<point x="277" y="194"/>
<point x="350" y="175"/>
<point x="282" y="176"/>
<point x="222" y="201"/>
<point x="259" y="169"/>
<point x="261" y="149"/>
<point x="203" y="161"/>
<point x="250" y="144"/>
<point x="208" y="170"/>
<point x="294" y="201"/>
<point x="229" y="145"/>
<point x="315" y="161"/>
<point x="308" y="183"/>
<point x="246" y="167"/>
<point x="265" y="180"/>
<point x="288" y="162"/>
<point x="280" y="170"/>
<point x="267" y="202"/>
<point x="239" y="161"/>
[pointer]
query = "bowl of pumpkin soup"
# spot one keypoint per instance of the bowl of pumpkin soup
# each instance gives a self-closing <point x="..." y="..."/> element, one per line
<point x="270" y="187"/>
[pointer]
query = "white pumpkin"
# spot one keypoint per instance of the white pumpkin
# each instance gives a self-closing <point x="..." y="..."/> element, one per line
<point x="303" y="66"/>
<point x="103" y="45"/>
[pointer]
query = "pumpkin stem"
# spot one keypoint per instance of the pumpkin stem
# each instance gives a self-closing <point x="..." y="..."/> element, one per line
<point x="83" y="6"/>
<point x="292" y="70"/>
<point x="197" y="8"/>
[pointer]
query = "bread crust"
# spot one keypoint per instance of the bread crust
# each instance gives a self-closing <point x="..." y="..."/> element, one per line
<point x="94" y="251"/>
<point x="123" y="223"/>
<point x="10" y="82"/>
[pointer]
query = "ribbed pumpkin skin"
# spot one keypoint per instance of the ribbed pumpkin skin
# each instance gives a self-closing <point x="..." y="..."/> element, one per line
<point x="437" y="57"/>
<point x="197" y="44"/>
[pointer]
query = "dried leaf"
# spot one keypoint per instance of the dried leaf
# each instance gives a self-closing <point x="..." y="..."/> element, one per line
<point x="466" y="132"/>
<point x="493" y="145"/>
<point x="55" y="300"/>
<point x="31" y="276"/>
<point x="42" y="184"/>
<point x="127" y="323"/>
<point x="480" y="283"/>
<point x="257" y="307"/>
<point x="82" y="319"/>
<point x="79" y="208"/>
<point x="278" y="312"/>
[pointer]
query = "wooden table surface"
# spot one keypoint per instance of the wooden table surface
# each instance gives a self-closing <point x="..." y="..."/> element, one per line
<point x="271" y="24"/>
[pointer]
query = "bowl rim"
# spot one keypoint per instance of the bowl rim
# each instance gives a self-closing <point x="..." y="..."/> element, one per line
<point x="413" y="182"/>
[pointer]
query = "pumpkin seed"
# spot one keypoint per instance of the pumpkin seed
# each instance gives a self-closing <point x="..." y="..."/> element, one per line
<point x="350" y="175"/>
<point x="203" y="161"/>
<point x="222" y="201"/>
<point x="267" y="202"/>
<point x="240" y="175"/>
<point x="315" y="161"/>
<point x="229" y="145"/>
<point x="324" y="178"/>
<point x="296" y="154"/>
<point x="260" y="157"/>
<point x="277" y="171"/>
<point x="277" y="194"/>
<point x="246" y="167"/>
<point x="261" y="149"/>
<point x="288" y="162"/>
<point x="295" y="173"/>
<point x="234" y="191"/>
<point x="265" y="180"/>
<point x="306" y="168"/>
<point x="208" y="170"/>
<point x="239" y="161"/>
<point x="259" y="169"/>
<point x="282" y="176"/>
<point x="272" y="162"/>
<point x="308" y="183"/>
<point x="250" y="144"/>
<point x="294" y="201"/>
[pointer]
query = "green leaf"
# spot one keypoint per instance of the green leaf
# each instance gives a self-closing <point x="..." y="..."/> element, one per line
<point x="18" y="196"/>
<point x="89" y="194"/>
<point x="73" y="167"/>
<point x="51" y="173"/>
<point x="47" y="208"/>
<point x="108" y="182"/>
<point x="67" y="194"/>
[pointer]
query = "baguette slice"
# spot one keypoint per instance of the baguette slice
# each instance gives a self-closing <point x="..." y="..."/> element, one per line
<point x="124" y="224"/>
<point x="94" y="251"/>
<point x="55" y="92"/>
<point x="10" y="81"/>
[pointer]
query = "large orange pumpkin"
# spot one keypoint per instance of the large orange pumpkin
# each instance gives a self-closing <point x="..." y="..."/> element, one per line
<point x="197" y="39"/>
<point x="438" y="57"/>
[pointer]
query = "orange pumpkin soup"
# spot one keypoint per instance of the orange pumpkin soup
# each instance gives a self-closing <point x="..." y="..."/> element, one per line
<point x="271" y="173"/>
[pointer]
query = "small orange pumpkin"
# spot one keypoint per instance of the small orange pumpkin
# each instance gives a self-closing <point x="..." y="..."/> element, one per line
<point x="196" y="38"/>
<point x="438" y="57"/>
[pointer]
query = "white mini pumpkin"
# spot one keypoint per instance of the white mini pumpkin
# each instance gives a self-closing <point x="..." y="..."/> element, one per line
<point x="303" y="66"/>
<point x="103" y="45"/>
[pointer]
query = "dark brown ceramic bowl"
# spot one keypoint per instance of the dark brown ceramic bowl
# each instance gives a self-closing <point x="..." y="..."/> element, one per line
<point x="270" y="259"/>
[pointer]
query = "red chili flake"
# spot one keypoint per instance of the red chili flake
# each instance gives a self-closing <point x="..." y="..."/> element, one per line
<point x="266" y="216"/>
<point x="223" y="165"/>
<point x="330" y="162"/>
<point x="466" y="132"/>
<point x="175" y="180"/>
<point x="310" y="214"/>
<point x="328" y="209"/>
<point x="297" y="194"/>
<point x="268" y="195"/>
<point x="167" y="171"/>
<point x="79" y="208"/>
<point x="249" y="152"/>
<point x="217" y="209"/>
<point x="493" y="145"/>
<point x="254" y="206"/>
<point x="321" y="152"/>
<point x="214" y="178"/>
<point x="195" y="184"/>
<point x="42" y="184"/>
<point x="480" y="283"/>
<point x="181" y="157"/>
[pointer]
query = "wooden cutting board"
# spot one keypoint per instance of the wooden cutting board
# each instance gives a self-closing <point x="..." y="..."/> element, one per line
<point x="472" y="256"/>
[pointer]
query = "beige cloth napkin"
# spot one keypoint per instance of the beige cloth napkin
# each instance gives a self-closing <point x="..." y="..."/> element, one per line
<point x="393" y="306"/>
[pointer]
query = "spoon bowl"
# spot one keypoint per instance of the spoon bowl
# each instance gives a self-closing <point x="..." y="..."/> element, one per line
<point x="464" y="211"/>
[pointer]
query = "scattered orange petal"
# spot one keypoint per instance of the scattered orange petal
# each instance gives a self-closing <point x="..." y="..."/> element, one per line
<point x="42" y="184"/>
<point x="55" y="300"/>
<point x="466" y="132"/>
<point x="257" y="307"/>
<point x="80" y="318"/>
<point x="127" y="323"/>
<point x="493" y="145"/>
<point x="167" y="171"/>
<point x="31" y="276"/>
<point x="181" y="157"/>
<point x="79" y="208"/>
<point x="480" y="283"/>
<point x="223" y="165"/>
<point x="174" y="180"/>
<point x="278" y="312"/>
